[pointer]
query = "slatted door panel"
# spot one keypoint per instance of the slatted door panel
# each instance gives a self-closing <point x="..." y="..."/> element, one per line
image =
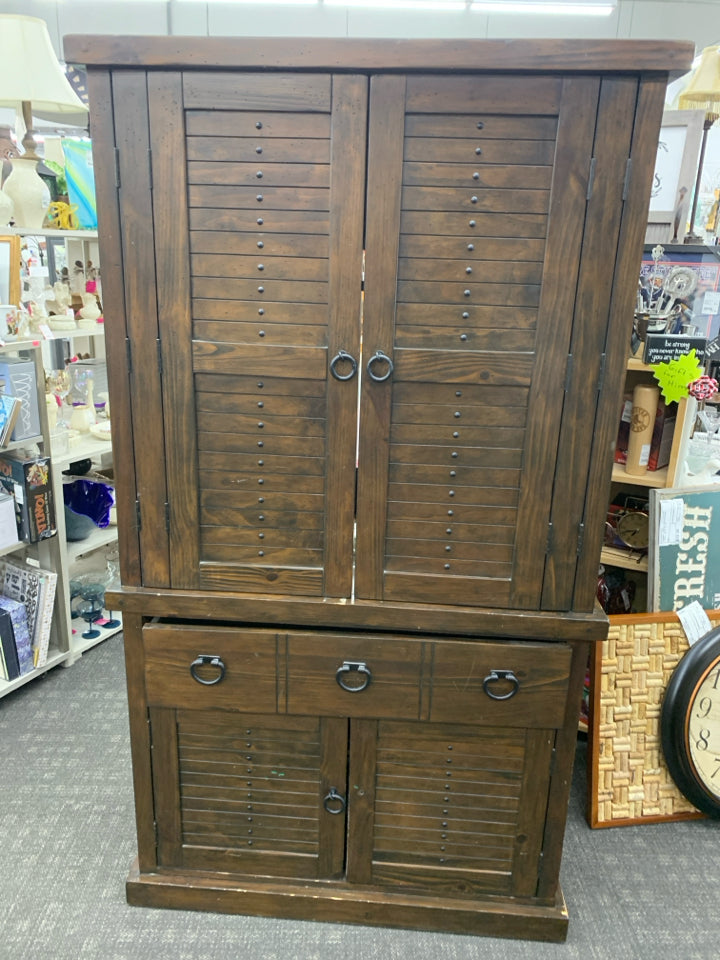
<point x="469" y="297"/>
<point x="244" y="794"/>
<point x="274" y="174"/>
<point x="453" y="806"/>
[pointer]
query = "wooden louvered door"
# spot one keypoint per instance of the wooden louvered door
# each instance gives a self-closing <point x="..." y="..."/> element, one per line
<point x="448" y="806"/>
<point x="258" y="199"/>
<point x="246" y="794"/>
<point x="477" y="190"/>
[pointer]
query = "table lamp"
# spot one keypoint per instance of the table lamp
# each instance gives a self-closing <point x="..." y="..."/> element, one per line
<point x="31" y="81"/>
<point x="702" y="92"/>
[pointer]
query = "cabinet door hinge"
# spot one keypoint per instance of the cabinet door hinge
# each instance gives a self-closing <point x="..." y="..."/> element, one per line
<point x="626" y="181"/>
<point x="553" y="758"/>
<point x="601" y="375"/>
<point x="167" y="516"/>
<point x="550" y="538"/>
<point x="591" y="178"/>
<point x="138" y="516"/>
<point x="580" y="538"/>
<point x="150" y="172"/>
<point x="568" y="372"/>
<point x="128" y="352"/>
<point x="159" y="356"/>
<point x="117" y="167"/>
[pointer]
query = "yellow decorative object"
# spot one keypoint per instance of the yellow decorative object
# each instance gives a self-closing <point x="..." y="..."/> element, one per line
<point x="675" y="376"/>
<point x="61" y="216"/>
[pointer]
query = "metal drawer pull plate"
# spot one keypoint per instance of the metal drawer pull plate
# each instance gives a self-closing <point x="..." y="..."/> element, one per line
<point x="339" y="357"/>
<point x="351" y="666"/>
<point x="377" y="357"/>
<point x="207" y="661"/>
<point x="497" y="676"/>
<point x="334" y="802"/>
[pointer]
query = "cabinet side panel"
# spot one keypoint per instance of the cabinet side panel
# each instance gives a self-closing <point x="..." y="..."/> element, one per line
<point x="133" y="142"/>
<point x="627" y="270"/>
<point x="111" y="259"/>
<point x="592" y="308"/>
<point x="174" y="321"/>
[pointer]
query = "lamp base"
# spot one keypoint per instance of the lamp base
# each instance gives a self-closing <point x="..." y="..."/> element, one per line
<point x="28" y="193"/>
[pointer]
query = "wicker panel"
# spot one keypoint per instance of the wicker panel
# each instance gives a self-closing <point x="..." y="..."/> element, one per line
<point x="628" y="779"/>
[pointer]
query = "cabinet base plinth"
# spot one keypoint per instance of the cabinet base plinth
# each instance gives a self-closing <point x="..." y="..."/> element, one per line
<point x="302" y="901"/>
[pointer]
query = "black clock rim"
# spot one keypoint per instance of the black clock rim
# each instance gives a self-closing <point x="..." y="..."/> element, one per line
<point x="676" y="703"/>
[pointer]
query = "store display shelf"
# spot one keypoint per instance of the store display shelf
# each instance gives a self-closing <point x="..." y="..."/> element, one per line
<point x="54" y="659"/>
<point x="87" y="447"/>
<point x="12" y="548"/>
<point x="21" y="444"/>
<point x="83" y="644"/>
<point x="46" y="232"/>
<point x="627" y="559"/>
<point x="98" y="538"/>
<point x="654" y="478"/>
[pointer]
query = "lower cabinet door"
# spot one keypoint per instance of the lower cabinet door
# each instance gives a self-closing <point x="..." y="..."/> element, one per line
<point x="452" y="808"/>
<point x="251" y="794"/>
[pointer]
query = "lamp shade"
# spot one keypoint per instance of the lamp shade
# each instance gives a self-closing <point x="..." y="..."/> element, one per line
<point x="703" y="88"/>
<point x="30" y="71"/>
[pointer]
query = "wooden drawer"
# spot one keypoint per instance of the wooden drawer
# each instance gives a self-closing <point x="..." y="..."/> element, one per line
<point x="246" y="667"/>
<point x="388" y="670"/>
<point x="467" y="677"/>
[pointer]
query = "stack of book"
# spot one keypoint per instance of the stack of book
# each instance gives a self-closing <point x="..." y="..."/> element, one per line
<point x="27" y="599"/>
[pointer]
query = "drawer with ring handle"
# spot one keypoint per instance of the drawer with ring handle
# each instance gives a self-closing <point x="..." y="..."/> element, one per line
<point x="205" y="667"/>
<point x="519" y="684"/>
<point x="354" y="675"/>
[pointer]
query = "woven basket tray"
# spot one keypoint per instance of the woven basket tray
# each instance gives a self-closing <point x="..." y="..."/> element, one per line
<point x="628" y="781"/>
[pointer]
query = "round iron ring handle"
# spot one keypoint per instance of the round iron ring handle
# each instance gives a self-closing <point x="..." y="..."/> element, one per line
<point x="334" y="798"/>
<point x="351" y="666"/>
<point x="377" y="357"/>
<point x="207" y="661"/>
<point x="339" y="357"/>
<point x="496" y="676"/>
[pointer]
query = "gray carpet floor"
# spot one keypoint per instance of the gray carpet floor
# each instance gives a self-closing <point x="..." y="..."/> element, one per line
<point x="67" y="841"/>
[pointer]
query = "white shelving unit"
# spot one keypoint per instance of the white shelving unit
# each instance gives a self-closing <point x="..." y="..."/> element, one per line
<point x="68" y="560"/>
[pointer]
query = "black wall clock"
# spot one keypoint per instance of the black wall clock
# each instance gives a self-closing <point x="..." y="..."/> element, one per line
<point x="690" y="724"/>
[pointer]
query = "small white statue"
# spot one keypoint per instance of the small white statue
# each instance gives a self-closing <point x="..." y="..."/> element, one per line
<point x="89" y="312"/>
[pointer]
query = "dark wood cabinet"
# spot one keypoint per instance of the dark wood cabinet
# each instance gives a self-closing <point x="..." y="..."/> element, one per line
<point x="366" y="315"/>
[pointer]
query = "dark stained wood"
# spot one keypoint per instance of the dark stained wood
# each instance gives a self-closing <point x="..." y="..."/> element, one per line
<point x="385" y="145"/>
<point x="483" y="94"/>
<point x="533" y="808"/>
<point x="599" y="244"/>
<point x="132" y="138"/>
<point x="649" y="116"/>
<point x="115" y="326"/>
<point x="279" y="91"/>
<point x="165" y="778"/>
<point x="349" y="126"/>
<point x="456" y="801"/>
<point x="576" y="128"/>
<point x="174" y="322"/>
<point x="382" y="54"/>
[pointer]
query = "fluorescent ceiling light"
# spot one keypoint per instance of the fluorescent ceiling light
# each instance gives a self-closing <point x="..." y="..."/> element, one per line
<point x="568" y="8"/>
<point x="401" y="4"/>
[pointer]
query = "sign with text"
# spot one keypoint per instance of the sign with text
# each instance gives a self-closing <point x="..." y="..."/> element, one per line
<point x="664" y="347"/>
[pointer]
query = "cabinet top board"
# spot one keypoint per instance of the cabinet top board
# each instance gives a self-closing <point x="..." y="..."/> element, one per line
<point x="251" y="53"/>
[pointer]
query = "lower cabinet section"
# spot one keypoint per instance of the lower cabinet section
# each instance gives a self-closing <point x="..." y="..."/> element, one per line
<point x="375" y="766"/>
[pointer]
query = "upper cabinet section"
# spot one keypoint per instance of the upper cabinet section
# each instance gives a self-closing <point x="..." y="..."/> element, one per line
<point x="351" y="326"/>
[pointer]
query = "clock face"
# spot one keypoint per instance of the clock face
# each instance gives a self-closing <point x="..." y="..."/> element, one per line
<point x="690" y="724"/>
<point x="703" y="728"/>
<point x="633" y="528"/>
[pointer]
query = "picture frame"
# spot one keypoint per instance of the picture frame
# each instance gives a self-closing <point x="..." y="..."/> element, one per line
<point x="704" y="261"/>
<point x="674" y="177"/>
<point x="10" y="270"/>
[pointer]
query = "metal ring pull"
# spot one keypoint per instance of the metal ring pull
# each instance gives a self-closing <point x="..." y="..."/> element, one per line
<point x="207" y="661"/>
<point x="496" y="676"/>
<point x="350" y="666"/>
<point x="377" y="357"/>
<point x="339" y="357"/>
<point x="334" y="798"/>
